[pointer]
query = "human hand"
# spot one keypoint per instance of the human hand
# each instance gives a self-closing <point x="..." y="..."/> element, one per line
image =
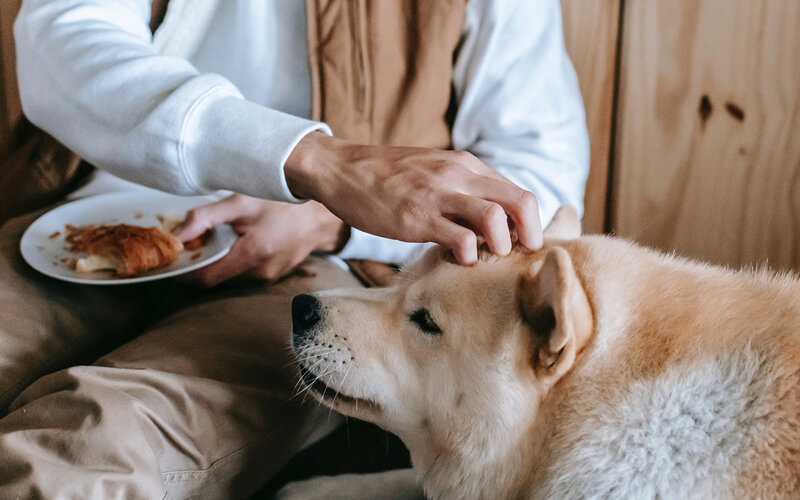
<point x="415" y="194"/>
<point x="274" y="237"/>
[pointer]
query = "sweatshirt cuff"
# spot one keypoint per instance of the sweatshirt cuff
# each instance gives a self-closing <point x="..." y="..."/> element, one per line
<point x="231" y="143"/>
<point x="363" y="245"/>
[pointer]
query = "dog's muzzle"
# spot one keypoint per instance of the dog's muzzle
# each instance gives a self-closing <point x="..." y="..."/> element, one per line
<point x="306" y="314"/>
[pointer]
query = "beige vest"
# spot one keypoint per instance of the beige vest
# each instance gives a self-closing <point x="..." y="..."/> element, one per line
<point x="380" y="73"/>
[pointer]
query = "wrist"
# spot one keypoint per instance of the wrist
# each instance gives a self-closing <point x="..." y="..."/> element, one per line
<point x="311" y="164"/>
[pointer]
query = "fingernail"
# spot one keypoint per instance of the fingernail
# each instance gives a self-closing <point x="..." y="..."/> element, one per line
<point x="471" y="260"/>
<point x="505" y="249"/>
<point x="532" y="242"/>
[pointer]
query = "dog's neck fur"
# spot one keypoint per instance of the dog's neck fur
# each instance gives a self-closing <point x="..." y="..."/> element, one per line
<point x="664" y="406"/>
<point x="474" y="463"/>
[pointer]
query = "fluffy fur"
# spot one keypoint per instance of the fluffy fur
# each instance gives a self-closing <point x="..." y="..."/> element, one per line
<point x="590" y="368"/>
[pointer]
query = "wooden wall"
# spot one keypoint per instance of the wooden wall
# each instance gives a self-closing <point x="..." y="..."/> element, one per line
<point x="9" y="105"/>
<point x="590" y="31"/>
<point x="705" y="143"/>
<point x="708" y="140"/>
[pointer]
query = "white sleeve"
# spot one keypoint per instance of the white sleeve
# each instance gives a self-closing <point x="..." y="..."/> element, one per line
<point x="519" y="109"/>
<point x="90" y="76"/>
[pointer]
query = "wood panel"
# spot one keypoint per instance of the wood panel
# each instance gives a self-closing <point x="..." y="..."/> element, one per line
<point x="590" y="33"/>
<point x="708" y="142"/>
<point x="9" y="107"/>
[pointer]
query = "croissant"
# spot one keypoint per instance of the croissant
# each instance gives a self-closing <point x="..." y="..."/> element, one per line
<point x="127" y="250"/>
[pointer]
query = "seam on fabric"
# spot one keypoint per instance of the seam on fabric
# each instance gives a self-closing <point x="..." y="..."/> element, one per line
<point x="180" y="475"/>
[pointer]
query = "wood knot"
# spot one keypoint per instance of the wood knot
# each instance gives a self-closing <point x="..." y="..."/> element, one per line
<point x="735" y="111"/>
<point x="705" y="109"/>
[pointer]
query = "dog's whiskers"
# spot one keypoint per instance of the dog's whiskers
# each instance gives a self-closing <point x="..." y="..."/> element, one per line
<point x="299" y="385"/>
<point x="340" y="384"/>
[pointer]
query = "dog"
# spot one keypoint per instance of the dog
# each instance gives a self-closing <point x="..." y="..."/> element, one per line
<point x="590" y="368"/>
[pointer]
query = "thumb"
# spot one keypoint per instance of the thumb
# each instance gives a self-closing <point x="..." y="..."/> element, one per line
<point x="201" y="219"/>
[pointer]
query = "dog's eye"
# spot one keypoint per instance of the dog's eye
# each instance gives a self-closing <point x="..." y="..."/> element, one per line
<point x="423" y="320"/>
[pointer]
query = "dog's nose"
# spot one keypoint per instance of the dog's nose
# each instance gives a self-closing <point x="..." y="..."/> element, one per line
<point x="305" y="313"/>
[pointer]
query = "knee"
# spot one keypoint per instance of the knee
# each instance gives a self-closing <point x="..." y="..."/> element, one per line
<point x="84" y="429"/>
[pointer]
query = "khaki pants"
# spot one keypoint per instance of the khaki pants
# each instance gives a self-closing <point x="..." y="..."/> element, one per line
<point x="198" y="402"/>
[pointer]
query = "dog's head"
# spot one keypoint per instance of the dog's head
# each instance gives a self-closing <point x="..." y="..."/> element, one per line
<point x="450" y="352"/>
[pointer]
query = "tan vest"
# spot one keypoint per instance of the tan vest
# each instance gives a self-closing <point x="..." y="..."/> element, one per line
<point x="381" y="71"/>
<point x="380" y="74"/>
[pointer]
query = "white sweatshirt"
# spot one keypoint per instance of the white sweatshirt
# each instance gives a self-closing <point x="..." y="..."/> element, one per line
<point x="220" y="95"/>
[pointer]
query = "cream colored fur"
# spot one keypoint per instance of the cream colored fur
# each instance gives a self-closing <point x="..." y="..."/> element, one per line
<point x="590" y="368"/>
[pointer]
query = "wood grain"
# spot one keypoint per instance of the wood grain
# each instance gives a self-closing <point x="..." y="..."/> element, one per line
<point x="590" y="33"/>
<point x="708" y="141"/>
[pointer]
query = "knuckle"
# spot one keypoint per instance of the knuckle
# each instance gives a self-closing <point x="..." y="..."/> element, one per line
<point x="262" y="273"/>
<point x="493" y="215"/>
<point x="271" y="274"/>
<point x="235" y="199"/>
<point x="465" y="240"/>
<point x="444" y="167"/>
<point x="411" y="214"/>
<point x="528" y="203"/>
<point x="463" y="157"/>
<point x="260" y="253"/>
<point x="422" y="194"/>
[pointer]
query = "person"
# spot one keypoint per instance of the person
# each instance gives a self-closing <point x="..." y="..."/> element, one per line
<point x="351" y="129"/>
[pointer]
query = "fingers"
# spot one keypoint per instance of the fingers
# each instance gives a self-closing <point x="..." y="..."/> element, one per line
<point x="525" y="214"/>
<point x="459" y="239"/>
<point x="485" y="217"/>
<point x="488" y="219"/>
<point x="201" y="219"/>
<point x="520" y="205"/>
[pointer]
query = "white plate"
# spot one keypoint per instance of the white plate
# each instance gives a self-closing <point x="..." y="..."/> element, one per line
<point x="48" y="254"/>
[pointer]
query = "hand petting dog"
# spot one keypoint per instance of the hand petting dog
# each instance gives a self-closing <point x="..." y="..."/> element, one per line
<point x="415" y="194"/>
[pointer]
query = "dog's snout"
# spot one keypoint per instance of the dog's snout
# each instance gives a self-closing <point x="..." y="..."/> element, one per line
<point x="305" y="313"/>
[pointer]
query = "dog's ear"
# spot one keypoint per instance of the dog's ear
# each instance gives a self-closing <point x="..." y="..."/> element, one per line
<point x="565" y="224"/>
<point x="555" y="309"/>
